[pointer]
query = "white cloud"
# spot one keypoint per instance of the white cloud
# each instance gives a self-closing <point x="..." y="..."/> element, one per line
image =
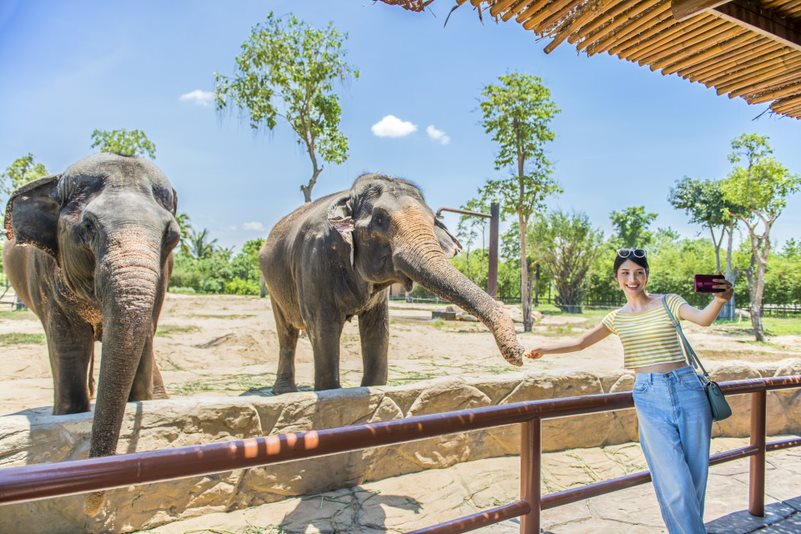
<point x="437" y="134"/>
<point x="392" y="126"/>
<point x="199" y="97"/>
<point x="255" y="226"/>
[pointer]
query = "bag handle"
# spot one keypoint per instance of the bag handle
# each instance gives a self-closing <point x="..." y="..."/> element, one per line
<point x="689" y="353"/>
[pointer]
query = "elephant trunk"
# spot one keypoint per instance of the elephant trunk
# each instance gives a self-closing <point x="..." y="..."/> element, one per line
<point x="129" y="275"/>
<point x="419" y="256"/>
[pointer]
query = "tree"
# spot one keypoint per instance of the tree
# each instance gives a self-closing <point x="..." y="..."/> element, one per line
<point x="287" y="69"/>
<point x="471" y="227"/>
<point x="186" y="230"/>
<point x="124" y="142"/>
<point x="20" y="172"/>
<point x="760" y="188"/>
<point x="632" y="225"/>
<point x="200" y="246"/>
<point x="704" y="202"/>
<point x="517" y="113"/>
<point x="568" y="245"/>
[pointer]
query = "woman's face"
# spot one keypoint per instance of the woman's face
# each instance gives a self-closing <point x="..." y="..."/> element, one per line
<point x="632" y="278"/>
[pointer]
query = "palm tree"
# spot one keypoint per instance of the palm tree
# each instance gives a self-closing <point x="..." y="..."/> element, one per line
<point x="199" y="246"/>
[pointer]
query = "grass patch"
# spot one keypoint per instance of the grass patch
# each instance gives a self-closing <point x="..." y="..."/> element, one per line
<point x="17" y="315"/>
<point x="172" y="329"/>
<point x="220" y="316"/>
<point x="399" y="377"/>
<point x="16" y="338"/>
<point x="774" y="326"/>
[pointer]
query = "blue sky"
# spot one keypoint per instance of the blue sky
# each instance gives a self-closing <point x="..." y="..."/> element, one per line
<point x="624" y="136"/>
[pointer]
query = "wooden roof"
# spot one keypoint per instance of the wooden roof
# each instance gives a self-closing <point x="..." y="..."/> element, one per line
<point x="745" y="48"/>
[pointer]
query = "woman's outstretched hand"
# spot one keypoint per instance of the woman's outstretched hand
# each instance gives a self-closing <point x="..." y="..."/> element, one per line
<point x="534" y="354"/>
<point x="728" y="290"/>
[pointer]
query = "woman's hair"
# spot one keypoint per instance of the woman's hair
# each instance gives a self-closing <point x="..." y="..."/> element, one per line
<point x="642" y="262"/>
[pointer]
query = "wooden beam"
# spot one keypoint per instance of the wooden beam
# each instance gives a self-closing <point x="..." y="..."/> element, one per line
<point x="684" y="9"/>
<point x="763" y="21"/>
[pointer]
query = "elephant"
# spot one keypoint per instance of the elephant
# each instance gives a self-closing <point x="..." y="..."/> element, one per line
<point x="335" y="258"/>
<point x="90" y="253"/>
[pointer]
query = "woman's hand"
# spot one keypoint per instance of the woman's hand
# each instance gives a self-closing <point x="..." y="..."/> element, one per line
<point x="728" y="290"/>
<point x="534" y="354"/>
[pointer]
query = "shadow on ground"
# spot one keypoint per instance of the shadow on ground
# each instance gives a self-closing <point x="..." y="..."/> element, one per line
<point x="782" y="517"/>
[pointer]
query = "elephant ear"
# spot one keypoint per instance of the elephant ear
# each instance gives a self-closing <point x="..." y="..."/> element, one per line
<point x="32" y="215"/>
<point x="340" y="216"/>
<point x="450" y="245"/>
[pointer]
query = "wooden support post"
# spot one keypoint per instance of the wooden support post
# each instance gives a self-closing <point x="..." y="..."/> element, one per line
<point x="492" y="279"/>
<point x="756" y="493"/>
<point x="530" y="460"/>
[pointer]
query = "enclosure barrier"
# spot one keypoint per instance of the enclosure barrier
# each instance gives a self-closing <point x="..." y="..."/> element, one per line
<point x="41" y="481"/>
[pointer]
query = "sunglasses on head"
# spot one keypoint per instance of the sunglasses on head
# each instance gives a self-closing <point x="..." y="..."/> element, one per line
<point x="635" y="252"/>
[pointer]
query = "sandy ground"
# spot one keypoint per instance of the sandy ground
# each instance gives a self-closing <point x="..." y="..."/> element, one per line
<point x="227" y="345"/>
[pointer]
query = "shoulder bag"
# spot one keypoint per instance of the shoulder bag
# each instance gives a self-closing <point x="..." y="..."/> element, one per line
<point x="717" y="401"/>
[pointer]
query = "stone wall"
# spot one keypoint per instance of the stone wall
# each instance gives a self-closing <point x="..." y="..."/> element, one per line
<point x="35" y="437"/>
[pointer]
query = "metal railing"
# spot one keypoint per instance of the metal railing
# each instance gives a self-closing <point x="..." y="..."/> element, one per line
<point x="41" y="481"/>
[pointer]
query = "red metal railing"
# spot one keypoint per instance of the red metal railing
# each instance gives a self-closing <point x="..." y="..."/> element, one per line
<point x="79" y="476"/>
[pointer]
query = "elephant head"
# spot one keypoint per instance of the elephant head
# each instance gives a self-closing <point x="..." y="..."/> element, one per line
<point x="395" y="237"/>
<point x="109" y="223"/>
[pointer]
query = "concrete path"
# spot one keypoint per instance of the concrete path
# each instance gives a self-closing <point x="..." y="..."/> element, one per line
<point x="417" y="500"/>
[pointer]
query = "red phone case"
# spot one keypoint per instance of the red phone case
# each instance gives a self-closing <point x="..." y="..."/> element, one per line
<point x="704" y="283"/>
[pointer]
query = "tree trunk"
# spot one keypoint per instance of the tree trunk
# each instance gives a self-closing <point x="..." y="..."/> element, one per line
<point x="756" y="300"/>
<point x="524" y="293"/>
<point x="730" y="308"/>
<point x="307" y="189"/>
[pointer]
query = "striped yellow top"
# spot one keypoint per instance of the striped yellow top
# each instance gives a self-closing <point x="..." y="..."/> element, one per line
<point x="648" y="337"/>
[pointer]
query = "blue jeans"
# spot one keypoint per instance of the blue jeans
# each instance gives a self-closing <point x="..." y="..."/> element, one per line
<point x="675" y="430"/>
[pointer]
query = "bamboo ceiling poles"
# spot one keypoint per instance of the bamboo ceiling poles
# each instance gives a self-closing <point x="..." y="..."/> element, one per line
<point x="743" y="48"/>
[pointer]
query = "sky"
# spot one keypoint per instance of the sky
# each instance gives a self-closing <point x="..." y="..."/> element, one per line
<point x="624" y="135"/>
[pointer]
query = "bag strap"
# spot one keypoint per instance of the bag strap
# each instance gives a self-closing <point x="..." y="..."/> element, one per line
<point x="690" y="354"/>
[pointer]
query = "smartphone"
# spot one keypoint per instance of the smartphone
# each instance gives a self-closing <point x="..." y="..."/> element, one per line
<point x="704" y="283"/>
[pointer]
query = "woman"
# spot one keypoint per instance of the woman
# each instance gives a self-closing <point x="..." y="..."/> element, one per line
<point x="673" y="412"/>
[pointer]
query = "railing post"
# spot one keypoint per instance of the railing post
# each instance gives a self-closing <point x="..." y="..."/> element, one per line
<point x="756" y="497"/>
<point x="530" y="460"/>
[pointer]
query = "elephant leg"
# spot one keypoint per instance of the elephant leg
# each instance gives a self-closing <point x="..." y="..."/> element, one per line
<point x="70" y="345"/>
<point x="287" y="343"/>
<point x="142" y="387"/>
<point x="159" y="391"/>
<point x="324" y="339"/>
<point x="374" y="334"/>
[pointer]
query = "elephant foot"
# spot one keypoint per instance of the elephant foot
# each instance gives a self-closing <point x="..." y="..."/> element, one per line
<point x="160" y="393"/>
<point x="73" y="407"/>
<point x="284" y="386"/>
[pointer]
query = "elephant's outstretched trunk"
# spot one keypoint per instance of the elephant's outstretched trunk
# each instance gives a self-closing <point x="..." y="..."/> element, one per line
<point x="419" y="256"/>
<point x="129" y="275"/>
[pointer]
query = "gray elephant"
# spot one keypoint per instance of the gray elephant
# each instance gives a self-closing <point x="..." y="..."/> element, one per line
<point x="335" y="258"/>
<point x="101" y="237"/>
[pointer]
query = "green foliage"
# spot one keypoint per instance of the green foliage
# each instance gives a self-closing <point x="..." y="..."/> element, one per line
<point x="185" y="228"/>
<point x="631" y="226"/>
<point x="219" y="271"/>
<point x="470" y="227"/>
<point x="20" y="172"/>
<point x="703" y="201"/>
<point x="124" y="142"/>
<point x="200" y="246"/>
<point x="761" y="187"/>
<point x="287" y="69"/>
<point x="568" y="245"/>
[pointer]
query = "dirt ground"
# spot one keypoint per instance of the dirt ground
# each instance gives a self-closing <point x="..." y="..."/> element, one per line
<point x="226" y="345"/>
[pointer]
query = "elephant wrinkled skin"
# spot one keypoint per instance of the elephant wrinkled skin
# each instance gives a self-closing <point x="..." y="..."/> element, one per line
<point x="90" y="252"/>
<point x="335" y="258"/>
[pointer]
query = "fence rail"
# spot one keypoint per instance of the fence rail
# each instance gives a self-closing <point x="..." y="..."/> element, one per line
<point x="41" y="481"/>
